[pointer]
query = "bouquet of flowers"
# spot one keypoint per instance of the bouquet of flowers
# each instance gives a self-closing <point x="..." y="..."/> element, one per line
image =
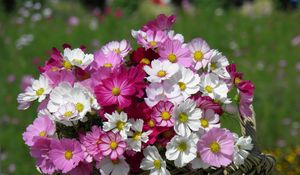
<point x="154" y="109"/>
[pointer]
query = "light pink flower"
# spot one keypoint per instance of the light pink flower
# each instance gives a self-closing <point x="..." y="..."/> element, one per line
<point x="216" y="147"/>
<point x="112" y="145"/>
<point x="200" y="53"/>
<point x="66" y="154"/>
<point x="175" y="52"/>
<point x="41" y="127"/>
<point x="26" y="81"/>
<point x="120" y="47"/>
<point x="109" y="60"/>
<point x="209" y="120"/>
<point x="153" y="39"/>
<point x="162" y="114"/>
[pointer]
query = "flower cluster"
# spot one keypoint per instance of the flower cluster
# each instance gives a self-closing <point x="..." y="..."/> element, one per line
<point x="119" y="110"/>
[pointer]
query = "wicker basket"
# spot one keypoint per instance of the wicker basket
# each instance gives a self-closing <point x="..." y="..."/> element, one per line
<point x="256" y="163"/>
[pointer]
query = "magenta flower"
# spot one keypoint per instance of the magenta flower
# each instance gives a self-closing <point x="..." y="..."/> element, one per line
<point x="66" y="154"/>
<point x="162" y="22"/>
<point x="246" y="91"/>
<point x="40" y="151"/>
<point x="175" y="52"/>
<point x="153" y="39"/>
<point x="216" y="147"/>
<point x="83" y="168"/>
<point x="162" y="114"/>
<point x="41" y="127"/>
<point x="112" y="145"/>
<point x="206" y="103"/>
<point x="109" y="60"/>
<point x="91" y="142"/>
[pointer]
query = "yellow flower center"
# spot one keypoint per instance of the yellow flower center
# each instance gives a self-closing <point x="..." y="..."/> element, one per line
<point x="204" y="123"/>
<point x="68" y="114"/>
<point x="152" y="43"/>
<point x="145" y="61"/>
<point x="151" y="123"/>
<point x="116" y="91"/>
<point x="136" y="136"/>
<point x="161" y="73"/>
<point x="237" y="80"/>
<point x="68" y="154"/>
<point x="117" y="50"/>
<point x="213" y="66"/>
<point x="54" y="69"/>
<point x="208" y="89"/>
<point x="120" y="125"/>
<point x="79" y="107"/>
<point x="214" y="147"/>
<point x="182" y="86"/>
<point x="165" y="115"/>
<point x="78" y="61"/>
<point x="182" y="146"/>
<point x="172" y="58"/>
<point x="113" y="145"/>
<point x="157" y="164"/>
<point x="42" y="134"/>
<point x="198" y="55"/>
<point x="40" y="91"/>
<point x="183" y="117"/>
<point x="107" y="65"/>
<point x="67" y="65"/>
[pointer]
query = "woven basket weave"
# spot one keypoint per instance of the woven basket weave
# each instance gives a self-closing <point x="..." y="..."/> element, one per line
<point x="256" y="163"/>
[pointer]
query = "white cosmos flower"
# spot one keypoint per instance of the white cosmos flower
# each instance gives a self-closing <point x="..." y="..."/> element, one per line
<point x="77" y="57"/>
<point x="212" y="86"/>
<point x="175" y="36"/>
<point x="209" y="120"/>
<point x="187" y="118"/>
<point x="117" y="122"/>
<point x="200" y="52"/>
<point x="136" y="33"/>
<point x="182" y="149"/>
<point x="243" y="145"/>
<point x="93" y="100"/>
<point x="185" y="81"/>
<point x="137" y="136"/>
<point x="113" y="167"/>
<point x="38" y="90"/>
<point x="120" y="47"/>
<point x="66" y="114"/>
<point x="152" y="161"/>
<point x="218" y="64"/>
<point x="160" y="70"/>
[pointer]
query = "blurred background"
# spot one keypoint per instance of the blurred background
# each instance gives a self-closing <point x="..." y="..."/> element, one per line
<point x="261" y="36"/>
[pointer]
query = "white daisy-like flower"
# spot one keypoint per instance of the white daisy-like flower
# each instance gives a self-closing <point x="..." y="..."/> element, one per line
<point x="152" y="161"/>
<point x="185" y="81"/>
<point x="209" y="119"/>
<point x="117" y="122"/>
<point x="113" y="167"/>
<point x="120" y="47"/>
<point x="182" y="149"/>
<point x="186" y="117"/>
<point x="66" y="114"/>
<point x="160" y="70"/>
<point x="175" y="36"/>
<point x="137" y="136"/>
<point x="94" y="104"/>
<point x="38" y="90"/>
<point x="77" y="57"/>
<point x="136" y="33"/>
<point x="243" y="145"/>
<point x="212" y="86"/>
<point x="200" y="52"/>
<point x="218" y="64"/>
<point x="198" y="163"/>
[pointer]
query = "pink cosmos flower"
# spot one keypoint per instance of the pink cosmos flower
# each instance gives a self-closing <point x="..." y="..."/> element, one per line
<point x="175" y="52"/>
<point x="199" y="52"/>
<point x="91" y="142"/>
<point x="216" y="147"/>
<point x="66" y="154"/>
<point x="109" y="60"/>
<point x="112" y="145"/>
<point x="40" y="151"/>
<point x="83" y="168"/>
<point x="162" y="114"/>
<point x="41" y="127"/>
<point x="120" y="47"/>
<point x="206" y="103"/>
<point x="54" y="63"/>
<point x="57" y="77"/>
<point x="153" y="39"/>
<point x="246" y="91"/>
<point x="162" y="22"/>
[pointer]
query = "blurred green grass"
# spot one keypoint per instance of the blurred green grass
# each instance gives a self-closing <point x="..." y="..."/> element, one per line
<point x="257" y="45"/>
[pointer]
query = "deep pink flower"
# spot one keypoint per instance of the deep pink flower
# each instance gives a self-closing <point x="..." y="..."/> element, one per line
<point x="205" y="103"/>
<point x="41" y="127"/>
<point x="175" y="52"/>
<point x="162" y="22"/>
<point x="91" y="141"/>
<point x="165" y="137"/>
<point x="66" y="154"/>
<point x="216" y="147"/>
<point x="112" y="145"/>
<point x="56" y="77"/>
<point x="54" y="63"/>
<point x="153" y="39"/>
<point x="141" y="56"/>
<point x="40" y="151"/>
<point x="83" y="168"/>
<point x="109" y="60"/>
<point x="246" y="92"/>
<point x="162" y="114"/>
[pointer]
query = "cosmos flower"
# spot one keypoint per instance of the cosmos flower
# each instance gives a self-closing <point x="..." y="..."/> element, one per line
<point x="200" y="53"/>
<point x="137" y="136"/>
<point x="161" y="22"/>
<point x="142" y="56"/>
<point x="160" y="70"/>
<point x="77" y="57"/>
<point x="121" y="48"/>
<point x="153" y="39"/>
<point x="113" y="167"/>
<point x="218" y="64"/>
<point x="112" y="145"/>
<point x="117" y="122"/>
<point x="109" y="60"/>
<point x="162" y="113"/>
<point x="243" y="146"/>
